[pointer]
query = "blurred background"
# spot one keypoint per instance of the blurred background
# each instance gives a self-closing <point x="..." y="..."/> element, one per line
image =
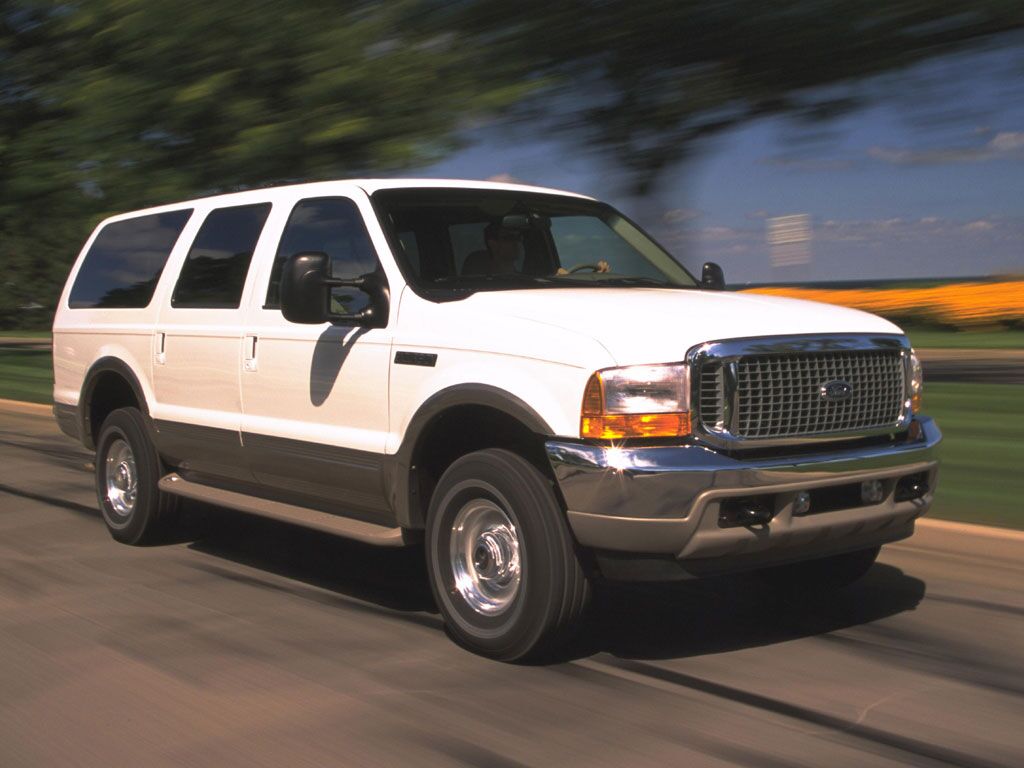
<point x="864" y="153"/>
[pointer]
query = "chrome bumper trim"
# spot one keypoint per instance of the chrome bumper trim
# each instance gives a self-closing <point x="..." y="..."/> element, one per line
<point x="656" y="499"/>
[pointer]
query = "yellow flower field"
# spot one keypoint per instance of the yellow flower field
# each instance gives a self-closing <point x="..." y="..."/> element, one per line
<point x="962" y="305"/>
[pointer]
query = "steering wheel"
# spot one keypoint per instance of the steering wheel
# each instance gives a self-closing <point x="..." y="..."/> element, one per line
<point x="581" y="267"/>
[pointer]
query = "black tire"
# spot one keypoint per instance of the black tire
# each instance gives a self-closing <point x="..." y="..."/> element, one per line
<point x="553" y="589"/>
<point x="152" y="517"/>
<point x="827" y="573"/>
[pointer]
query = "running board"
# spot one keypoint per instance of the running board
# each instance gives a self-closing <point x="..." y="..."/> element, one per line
<point x="368" y="533"/>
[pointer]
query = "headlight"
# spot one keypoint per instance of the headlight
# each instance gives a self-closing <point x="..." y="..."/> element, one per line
<point x="916" y="383"/>
<point x="637" y="401"/>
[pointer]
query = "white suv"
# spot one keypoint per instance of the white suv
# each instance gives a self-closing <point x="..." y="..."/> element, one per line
<point x="518" y="379"/>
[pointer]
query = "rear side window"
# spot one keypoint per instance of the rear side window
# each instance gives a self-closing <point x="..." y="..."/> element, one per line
<point x="125" y="261"/>
<point x="214" y="271"/>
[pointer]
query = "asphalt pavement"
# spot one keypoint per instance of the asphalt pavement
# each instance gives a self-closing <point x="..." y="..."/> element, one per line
<point x="266" y="645"/>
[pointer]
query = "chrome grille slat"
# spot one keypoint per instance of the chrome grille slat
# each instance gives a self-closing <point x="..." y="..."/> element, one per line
<point x="712" y="395"/>
<point x="779" y="395"/>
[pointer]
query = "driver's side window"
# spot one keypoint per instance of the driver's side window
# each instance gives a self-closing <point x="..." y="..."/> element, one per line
<point x="331" y="225"/>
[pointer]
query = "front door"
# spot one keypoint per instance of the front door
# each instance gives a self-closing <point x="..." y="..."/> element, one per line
<point x="315" y="397"/>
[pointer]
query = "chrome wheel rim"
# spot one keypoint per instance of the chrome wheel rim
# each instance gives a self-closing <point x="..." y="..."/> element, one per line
<point x="121" y="478"/>
<point x="485" y="557"/>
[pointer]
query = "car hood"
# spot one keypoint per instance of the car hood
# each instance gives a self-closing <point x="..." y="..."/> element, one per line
<point x="648" y="325"/>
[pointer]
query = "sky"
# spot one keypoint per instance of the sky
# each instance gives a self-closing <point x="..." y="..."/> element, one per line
<point x="927" y="181"/>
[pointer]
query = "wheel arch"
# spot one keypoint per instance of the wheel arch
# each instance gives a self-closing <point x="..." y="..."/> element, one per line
<point x="109" y="384"/>
<point x="449" y="424"/>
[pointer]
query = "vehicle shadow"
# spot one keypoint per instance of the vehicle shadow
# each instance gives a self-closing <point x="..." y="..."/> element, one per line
<point x="708" y="616"/>
<point x="729" y="613"/>
<point x="329" y="355"/>
<point x="393" y="579"/>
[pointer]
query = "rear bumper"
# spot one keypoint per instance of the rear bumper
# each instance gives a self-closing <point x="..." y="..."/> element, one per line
<point x="68" y="420"/>
<point x="665" y="501"/>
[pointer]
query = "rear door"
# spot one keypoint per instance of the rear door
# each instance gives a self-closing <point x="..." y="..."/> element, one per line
<point x="315" y="397"/>
<point x="197" y="346"/>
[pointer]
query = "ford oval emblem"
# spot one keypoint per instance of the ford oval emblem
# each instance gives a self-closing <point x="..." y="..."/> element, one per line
<point x="836" y="391"/>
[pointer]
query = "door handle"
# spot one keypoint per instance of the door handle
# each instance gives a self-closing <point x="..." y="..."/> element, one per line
<point x="161" y="348"/>
<point x="249" y="354"/>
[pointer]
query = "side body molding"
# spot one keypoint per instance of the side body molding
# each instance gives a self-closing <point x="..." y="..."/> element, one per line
<point x="398" y="471"/>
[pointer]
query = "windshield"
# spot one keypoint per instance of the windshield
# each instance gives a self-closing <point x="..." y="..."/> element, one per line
<point x="478" y="239"/>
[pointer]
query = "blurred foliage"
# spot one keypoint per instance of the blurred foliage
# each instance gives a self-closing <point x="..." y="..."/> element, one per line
<point x="110" y="105"/>
<point x="962" y="306"/>
<point x="646" y="81"/>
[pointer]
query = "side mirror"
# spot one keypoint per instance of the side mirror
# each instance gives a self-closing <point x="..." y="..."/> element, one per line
<point x="712" y="277"/>
<point x="306" y="292"/>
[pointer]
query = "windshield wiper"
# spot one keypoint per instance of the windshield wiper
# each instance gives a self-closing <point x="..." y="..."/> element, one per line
<point x="504" y="277"/>
<point x="604" y="282"/>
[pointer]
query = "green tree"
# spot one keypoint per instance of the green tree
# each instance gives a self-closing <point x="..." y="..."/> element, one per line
<point x="118" y="104"/>
<point x="41" y="213"/>
<point x="109" y="105"/>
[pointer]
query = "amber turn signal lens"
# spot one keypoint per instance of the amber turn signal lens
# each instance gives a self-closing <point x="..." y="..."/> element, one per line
<point x="593" y="397"/>
<point x="622" y="425"/>
<point x="915" y="403"/>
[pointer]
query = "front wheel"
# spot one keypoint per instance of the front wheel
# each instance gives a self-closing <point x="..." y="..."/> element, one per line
<point x="503" y="564"/>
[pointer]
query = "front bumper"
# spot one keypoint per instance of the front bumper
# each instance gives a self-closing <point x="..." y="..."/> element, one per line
<point x="665" y="501"/>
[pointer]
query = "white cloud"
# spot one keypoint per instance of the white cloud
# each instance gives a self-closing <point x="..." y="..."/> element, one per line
<point x="678" y="215"/>
<point x="925" y="229"/>
<point x="895" y="233"/>
<point x="1006" y="145"/>
<point x="718" y="233"/>
<point x="504" y="178"/>
<point x="981" y="225"/>
<point x="1008" y="141"/>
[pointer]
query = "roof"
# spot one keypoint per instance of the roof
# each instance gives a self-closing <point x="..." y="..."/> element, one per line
<point x="321" y="188"/>
<point x="372" y="185"/>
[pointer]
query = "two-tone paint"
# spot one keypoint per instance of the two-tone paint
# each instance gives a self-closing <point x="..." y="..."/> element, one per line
<point x="329" y="414"/>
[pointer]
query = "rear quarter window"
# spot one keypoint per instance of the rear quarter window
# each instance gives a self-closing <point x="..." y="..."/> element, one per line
<point x="215" y="269"/>
<point x="125" y="261"/>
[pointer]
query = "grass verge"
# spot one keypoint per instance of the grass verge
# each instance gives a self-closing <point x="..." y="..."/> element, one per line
<point x="26" y="374"/>
<point x="981" y="479"/>
<point x="931" y="339"/>
<point x="25" y="334"/>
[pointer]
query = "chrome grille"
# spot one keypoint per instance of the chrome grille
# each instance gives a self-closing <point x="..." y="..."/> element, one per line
<point x="712" y="397"/>
<point x="780" y="395"/>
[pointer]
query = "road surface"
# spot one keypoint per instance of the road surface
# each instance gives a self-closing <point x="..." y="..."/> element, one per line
<point x="265" y="645"/>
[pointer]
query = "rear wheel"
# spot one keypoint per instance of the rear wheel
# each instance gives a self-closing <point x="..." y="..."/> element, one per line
<point x="502" y="562"/>
<point x="128" y="469"/>
<point x="823" y="574"/>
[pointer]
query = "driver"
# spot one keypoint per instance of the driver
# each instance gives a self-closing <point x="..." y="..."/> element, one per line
<point x="504" y="246"/>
